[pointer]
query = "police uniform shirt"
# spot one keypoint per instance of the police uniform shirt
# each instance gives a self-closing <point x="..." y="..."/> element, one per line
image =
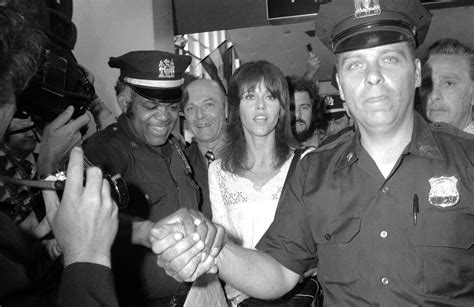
<point x="373" y="248"/>
<point x="158" y="186"/>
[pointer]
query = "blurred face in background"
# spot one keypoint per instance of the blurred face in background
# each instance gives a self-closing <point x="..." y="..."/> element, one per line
<point x="303" y="111"/>
<point x="447" y="91"/>
<point x="337" y="124"/>
<point x="24" y="143"/>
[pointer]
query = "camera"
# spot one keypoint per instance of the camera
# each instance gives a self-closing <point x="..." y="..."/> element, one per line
<point x="58" y="83"/>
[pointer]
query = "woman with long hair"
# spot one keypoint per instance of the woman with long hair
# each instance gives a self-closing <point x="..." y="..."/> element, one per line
<point x="245" y="184"/>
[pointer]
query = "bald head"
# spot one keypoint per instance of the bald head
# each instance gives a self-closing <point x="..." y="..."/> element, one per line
<point x="205" y="108"/>
<point x="205" y="87"/>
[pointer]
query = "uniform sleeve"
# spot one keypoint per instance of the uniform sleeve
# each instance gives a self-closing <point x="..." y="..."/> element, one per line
<point x="219" y="211"/>
<point x="105" y="154"/>
<point x="87" y="284"/>
<point x="289" y="239"/>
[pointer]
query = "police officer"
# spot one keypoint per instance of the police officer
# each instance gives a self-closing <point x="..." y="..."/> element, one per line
<point x="335" y="114"/>
<point x="389" y="212"/>
<point x="141" y="148"/>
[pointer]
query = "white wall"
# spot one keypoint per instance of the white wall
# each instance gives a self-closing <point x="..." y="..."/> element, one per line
<point x="111" y="28"/>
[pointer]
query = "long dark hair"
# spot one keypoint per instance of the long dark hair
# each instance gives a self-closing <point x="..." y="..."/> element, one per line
<point x="298" y="84"/>
<point x="248" y="76"/>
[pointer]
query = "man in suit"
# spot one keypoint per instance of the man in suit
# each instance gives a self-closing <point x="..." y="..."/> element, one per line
<point x="204" y="105"/>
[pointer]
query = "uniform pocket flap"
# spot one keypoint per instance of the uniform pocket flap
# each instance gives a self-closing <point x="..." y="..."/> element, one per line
<point x="445" y="229"/>
<point x="340" y="230"/>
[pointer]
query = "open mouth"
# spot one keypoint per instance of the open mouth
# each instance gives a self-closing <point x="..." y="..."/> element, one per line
<point x="260" y="118"/>
<point x="159" y="130"/>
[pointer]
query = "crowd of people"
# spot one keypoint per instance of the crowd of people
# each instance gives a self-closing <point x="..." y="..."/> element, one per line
<point x="284" y="197"/>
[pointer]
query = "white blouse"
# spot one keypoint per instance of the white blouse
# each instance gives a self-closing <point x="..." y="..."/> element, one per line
<point x="242" y="208"/>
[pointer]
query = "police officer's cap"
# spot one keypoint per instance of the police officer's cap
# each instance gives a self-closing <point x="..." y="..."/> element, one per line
<point x="348" y="25"/>
<point x="334" y="107"/>
<point x="153" y="74"/>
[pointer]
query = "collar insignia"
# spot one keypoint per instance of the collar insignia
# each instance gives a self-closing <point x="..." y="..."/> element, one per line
<point x="166" y="68"/>
<point x="366" y="8"/>
<point x="443" y="191"/>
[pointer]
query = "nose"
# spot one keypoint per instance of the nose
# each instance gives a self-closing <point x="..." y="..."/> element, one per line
<point x="374" y="75"/>
<point x="434" y="97"/>
<point x="199" y="113"/>
<point x="297" y="113"/>
<point x="260" y="103"/>
<point x="162" y="113"/>
<point x="331" y="127"/>
<point x="30" y="133"/>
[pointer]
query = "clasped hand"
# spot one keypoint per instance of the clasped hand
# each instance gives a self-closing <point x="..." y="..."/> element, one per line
<point x="187" y="244"/>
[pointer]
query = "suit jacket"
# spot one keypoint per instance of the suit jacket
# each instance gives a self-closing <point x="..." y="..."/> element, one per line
<point x="87" y="284"/>
<point x="200" y="172"/>
<point x="27" y="276"/>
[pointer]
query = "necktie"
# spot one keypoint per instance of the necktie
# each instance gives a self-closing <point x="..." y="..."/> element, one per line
<point x="209" y="156"/>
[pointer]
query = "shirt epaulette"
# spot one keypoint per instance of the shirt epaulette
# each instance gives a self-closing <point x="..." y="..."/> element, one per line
<point x="112" y="132"/>
<point x="447" y="128"/>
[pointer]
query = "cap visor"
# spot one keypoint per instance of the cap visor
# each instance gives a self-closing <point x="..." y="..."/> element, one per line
<point x="171" y="95"/>
<point x="370" y="38"/>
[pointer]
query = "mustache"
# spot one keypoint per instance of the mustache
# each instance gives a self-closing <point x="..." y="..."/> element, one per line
<point x="298" y="120"/>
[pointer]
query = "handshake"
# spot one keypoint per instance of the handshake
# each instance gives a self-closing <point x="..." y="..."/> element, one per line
<point x="187" y="244"/>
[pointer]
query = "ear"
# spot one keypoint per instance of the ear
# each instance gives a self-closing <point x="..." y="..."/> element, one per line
<point x="341" y="92"/>
<point x="123" y="102"/>
<point x="351" y="121"/>
<point x="346" y="108"/>
<point x="417" y="73"/>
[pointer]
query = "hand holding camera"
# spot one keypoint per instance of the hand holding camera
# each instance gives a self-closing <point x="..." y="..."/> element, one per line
<point x="85" y="221"/>
<point x="58" y="138"/>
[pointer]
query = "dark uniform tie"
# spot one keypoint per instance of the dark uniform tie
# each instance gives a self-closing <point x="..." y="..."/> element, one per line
<point x="210" y="157"/>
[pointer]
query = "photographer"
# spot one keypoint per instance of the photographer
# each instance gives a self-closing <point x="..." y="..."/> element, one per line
<point x="84" y="223"/>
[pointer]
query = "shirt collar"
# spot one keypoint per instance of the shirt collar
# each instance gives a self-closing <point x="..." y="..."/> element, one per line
<point x="124" y="123"/>
<point x="422" y="144"/>
<point x="351" y="153"/>
<point x="469" y="128"/>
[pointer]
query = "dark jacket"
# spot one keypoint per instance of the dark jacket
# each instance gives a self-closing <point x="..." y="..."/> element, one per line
<point x="159" y="180"/>
<point x="27" y="276"/>
<point x="200" y="172"/>
<point x="87" y="284"/>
